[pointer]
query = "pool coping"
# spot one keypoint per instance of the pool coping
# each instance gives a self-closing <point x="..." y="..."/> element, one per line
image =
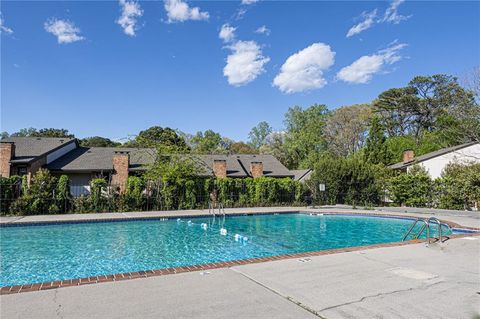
<point x="226" y="264"/>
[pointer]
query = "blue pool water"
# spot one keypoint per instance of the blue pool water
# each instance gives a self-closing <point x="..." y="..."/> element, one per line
<point x="31" y="254"/>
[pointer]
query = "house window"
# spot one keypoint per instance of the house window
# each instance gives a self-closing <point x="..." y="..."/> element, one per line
<point x="21" y="171"/>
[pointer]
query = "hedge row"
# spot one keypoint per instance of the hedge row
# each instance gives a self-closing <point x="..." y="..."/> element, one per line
<point x="50" y="195"/>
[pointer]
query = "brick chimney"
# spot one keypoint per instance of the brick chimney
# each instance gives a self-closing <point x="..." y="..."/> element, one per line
<point x="408" y="156"/>
<point x="7" y="152"/>
<point x="121" y="161"/>
<point x="220" y="168"/>
<point x="256" y="169"/>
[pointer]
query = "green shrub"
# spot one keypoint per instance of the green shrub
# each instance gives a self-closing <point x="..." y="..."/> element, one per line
<point x="348" y="180"/>
<point x="38" y="197"/>
<point x="82" y="204"/>
<point x="9" y="188"/>
<point x="133" y="199"/>
<point x="258" y="191"/>
<point x="98" y="195"/>
<point x="62" y="195"/>
<point x="459" y="187"/>
<point x="413" y="189"/>
<point x="188" y="193"/>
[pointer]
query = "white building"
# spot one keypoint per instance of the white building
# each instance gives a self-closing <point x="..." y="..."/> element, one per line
<point x="435" y="162"/>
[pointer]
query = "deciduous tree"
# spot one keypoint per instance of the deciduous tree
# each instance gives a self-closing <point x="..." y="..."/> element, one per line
<point x="98" y="141"/>
<point x="258" y="135"/>
<point x="304" y="138"/>
<point x="208" y="142"/>
<point x="157" y="136"/>
<point x="346" y="129"/>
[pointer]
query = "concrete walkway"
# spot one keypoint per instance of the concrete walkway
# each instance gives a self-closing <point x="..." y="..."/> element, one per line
<point x="414" y="281"/>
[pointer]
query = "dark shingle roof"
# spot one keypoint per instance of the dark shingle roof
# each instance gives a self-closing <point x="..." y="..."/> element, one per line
<point x="430" y="155"/>
<point x="100" y="159"/>
<point x="28" y="148"/>
<point x="238" y="165"/>
<point x="301" y="174"/>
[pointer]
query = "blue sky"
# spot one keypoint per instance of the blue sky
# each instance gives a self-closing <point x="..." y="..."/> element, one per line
<point x="73" y="65"/>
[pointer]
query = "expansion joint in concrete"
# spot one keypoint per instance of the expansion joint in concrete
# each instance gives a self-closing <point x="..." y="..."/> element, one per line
<point x="381" y="294"/>
<point x="290" y="299"/>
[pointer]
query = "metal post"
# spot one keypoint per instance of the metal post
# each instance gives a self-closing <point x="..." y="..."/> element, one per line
<point x="428" y="233"/>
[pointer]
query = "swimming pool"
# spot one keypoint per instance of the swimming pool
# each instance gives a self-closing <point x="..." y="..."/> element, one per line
<point x="32" y="254"/>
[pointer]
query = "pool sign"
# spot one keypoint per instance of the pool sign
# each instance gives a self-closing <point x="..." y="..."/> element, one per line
<point x="321" y="187"/>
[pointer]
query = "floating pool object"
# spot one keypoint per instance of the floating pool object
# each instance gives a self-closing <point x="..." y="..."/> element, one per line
<point x="223" y="231"/>
<point x="179" y="220"/>
<point x="189" y="223"/>
<point x="240" y="238"/>
<point x="204" y="226"/>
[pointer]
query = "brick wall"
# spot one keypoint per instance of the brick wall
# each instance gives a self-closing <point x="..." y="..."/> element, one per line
<point x="121" y="161"/>
<point x="220" y="168"/>
<point x="7" y="152"/>
<point x="408" y="156"/>
<point x="256" y="169"/>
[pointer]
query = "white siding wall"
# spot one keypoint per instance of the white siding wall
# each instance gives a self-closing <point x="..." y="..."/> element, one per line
<point x="435" y="166"/>
<point x="60" y="152"/>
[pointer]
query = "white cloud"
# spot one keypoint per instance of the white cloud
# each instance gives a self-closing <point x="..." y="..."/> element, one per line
<point x="4" y="28"/>
<point x="363" y="69"/>
<point x="247" y="2"/>
<point x="128" y="20"/>
<point x="263" y="30"/>
<point x="245" y="63"/>
<point x="240" y="13"/>
<point x="303" y="70"/>
<point x="227" y="33"/>
<point x="180" y="11"/>
<point x="369" y="20"/>
<point x="391" y="14"/>
<point x="64" y="30"/>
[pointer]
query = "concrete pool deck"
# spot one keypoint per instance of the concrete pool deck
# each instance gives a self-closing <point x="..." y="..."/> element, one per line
<point x="412" y="281"/>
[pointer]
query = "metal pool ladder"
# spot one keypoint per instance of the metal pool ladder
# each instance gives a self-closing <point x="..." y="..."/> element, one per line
<point x="426" y="225"/>
<point x="211" y="209"/>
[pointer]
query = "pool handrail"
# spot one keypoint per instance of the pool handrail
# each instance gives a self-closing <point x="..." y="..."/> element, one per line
<point x="211" y="209"/>
<point x="435" y="220"/>
<point x="425" y="225"/>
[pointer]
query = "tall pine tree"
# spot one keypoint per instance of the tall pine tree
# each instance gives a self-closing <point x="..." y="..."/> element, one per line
<point x="376" y="151"/>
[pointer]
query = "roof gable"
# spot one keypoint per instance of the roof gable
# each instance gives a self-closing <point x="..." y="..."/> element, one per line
<point x="425" y="157"/>
<point x="100" y="159"/>
<point x="28" y="148"/>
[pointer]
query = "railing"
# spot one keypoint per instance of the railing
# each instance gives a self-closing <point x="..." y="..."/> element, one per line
<point x="220" y="207"/>
<point x="440" y="224"/>
<point x="426" y="226"/>
<point x="83" y="199"/>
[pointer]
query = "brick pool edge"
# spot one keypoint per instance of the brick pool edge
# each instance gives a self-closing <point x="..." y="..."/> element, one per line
<point x="177" y="270"/>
